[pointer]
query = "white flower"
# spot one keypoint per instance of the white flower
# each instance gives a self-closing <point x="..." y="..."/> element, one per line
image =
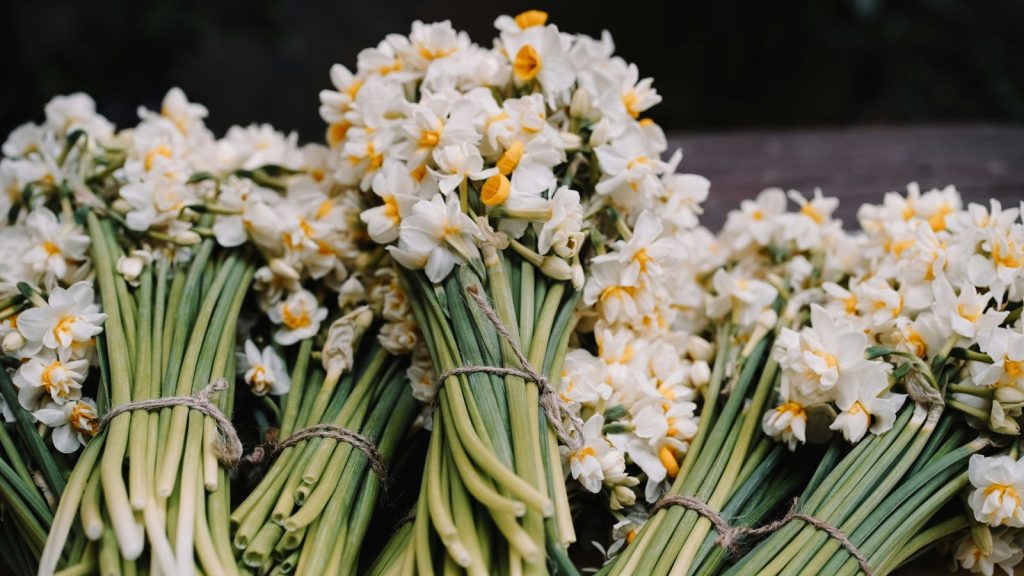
<point x="396" y="187"/>
<point x="586" y="464"/>
<point x="264" y="371"/>
<point x="1006" y="348"/>
<point x="822" y="356"/>
<point x="23" y="140"/>
<point x="786" y="422"/>
<point x="756" y="222"/>
<point x="628" y="96"/>
<point x="866" y="405"/>
<point x="73" y="423"/>
<point x="157" y="200"/>
<point x="299" y="315"/>
<point x="966" y="311"/>
<point x="436" y="236"/>
<point x="562" y="232"/>
<point x="630" y="168"/>
<point x="998" y="486"/>
<point x="1005" y="554"/>
<point x="77" y="111"/>
<point x="456" y="163"/>
<point x="50" y="377"/>
<point x="69" y="316"/>
<point x="55" y="245"/>
<point x="744" y="298"/>
<point x="537" y="54"/>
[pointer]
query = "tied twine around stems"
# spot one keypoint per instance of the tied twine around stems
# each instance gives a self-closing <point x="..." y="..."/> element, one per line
<point x="556" y="410"/>
<point x="271" y="447"/>
<point x="227" y="447"/>
<point x="728" y="535"/>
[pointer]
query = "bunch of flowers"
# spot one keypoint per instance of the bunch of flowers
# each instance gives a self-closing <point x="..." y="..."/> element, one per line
<point x="896" y="354"/>
<point x="170" y="226"/>
<point x="764" y="262"/>
<point x="498" y="179"/>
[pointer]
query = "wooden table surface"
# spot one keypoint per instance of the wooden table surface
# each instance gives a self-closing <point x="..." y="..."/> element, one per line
<point x="856" y="165"/>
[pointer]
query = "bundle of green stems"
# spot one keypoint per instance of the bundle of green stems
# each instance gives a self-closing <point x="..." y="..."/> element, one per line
<point x="27" y="497"/>
<point x="729" y="466"/>
<point x="884" y="496"/>
<point x="310" y="511"/>
<point x="148" y="492"/>
<point x="492" y="498"/>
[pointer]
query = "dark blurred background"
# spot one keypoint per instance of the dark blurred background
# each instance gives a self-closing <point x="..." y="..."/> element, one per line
<point x="719" y="65"/>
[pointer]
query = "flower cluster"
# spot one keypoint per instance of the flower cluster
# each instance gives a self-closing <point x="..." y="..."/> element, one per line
<point x="48" y="317"/>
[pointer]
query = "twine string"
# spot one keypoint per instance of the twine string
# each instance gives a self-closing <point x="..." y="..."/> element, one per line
<point x="556" y="410"/>
<point x="227" y="446"/>
<point x="728" y="535"/>
<point x="271" y="447"/>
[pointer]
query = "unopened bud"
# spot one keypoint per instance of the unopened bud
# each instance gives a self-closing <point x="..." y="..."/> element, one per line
<point x="700" y="374"/>
<point x="13" y="341"/>
<point x="556" y="268"/>
<point x="187" y="238"/>
<point x="571" y="140"/>
<point x="578" y="277"/>
<point x="580" y="106"/>
<point x="600" y="133"/>
<point x="131" y="266"/>
<point x="1009" y="395"/>
<point x="121" y="206"/>
<point x="283" y="269"/>
<point x="982" y="536"/>
<point x="699" y="348"/>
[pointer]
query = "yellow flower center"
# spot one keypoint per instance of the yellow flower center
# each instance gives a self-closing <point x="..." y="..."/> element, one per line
<point x="630" y="99"/>
<point x="968" y="314"/>
<point x="1013" y="368"/>
<point x="938" y="220"/>
<point x="63" y="327"/>
<point x="809" y="211"/>
<point x="295" y="320"/>
<point x="793" y="408"/>
<point x="584" y="452"/>
<point x="50" y="248"/>
<point x="391" y="209"/>
<point x="527" y="64"/>
<point x="324" y="209"/>
<point x="1007" y="258"/>
<point x="84" y="419"/>
<point x="531" y="18"/>
<point x="495" y="190"/>
<point x="49" y="382"/>
<point x="430" y="138"/>
<point x="336" y="133"/>
<point x="1005" y="491"/>
<point x="152" y="155"/>
<point x="668" y="460"/>
<point x="510" y="159"/>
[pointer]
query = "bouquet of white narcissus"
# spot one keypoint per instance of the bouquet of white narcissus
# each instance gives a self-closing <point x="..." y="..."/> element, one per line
<point x="920" y="333"/>
<point x="749" y="280"/>
<point x="178" y="225"/>
<point x="499" y="179"/>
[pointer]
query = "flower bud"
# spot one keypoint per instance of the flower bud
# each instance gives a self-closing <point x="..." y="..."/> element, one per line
<point x="578" y="277"/>
<point x="121" y="206"/>
<point x="600" y="133"/>
<point x="1009" y="395"/>
<point x="130" y="266"/>
<point x="351" y="293"/>
<point x="571" y="140"/>
<point x="556" y="268"/>
<point x="700" y="374"/>
<point x="283" y="269"/>
<point x="13" y="341"/>
<point x="699" y="348"/>
<point x="187" y="238"/>
<point x="580" y="106"/>
<point x="982" y="536"/>
<point x="623" y="496"/>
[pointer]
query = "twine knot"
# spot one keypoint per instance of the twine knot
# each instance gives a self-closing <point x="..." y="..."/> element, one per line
<point x="556" y="410"/>
<point x="227" y="446"/>
<point x="728" y="535"/>
<point x="270" y="447"/>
